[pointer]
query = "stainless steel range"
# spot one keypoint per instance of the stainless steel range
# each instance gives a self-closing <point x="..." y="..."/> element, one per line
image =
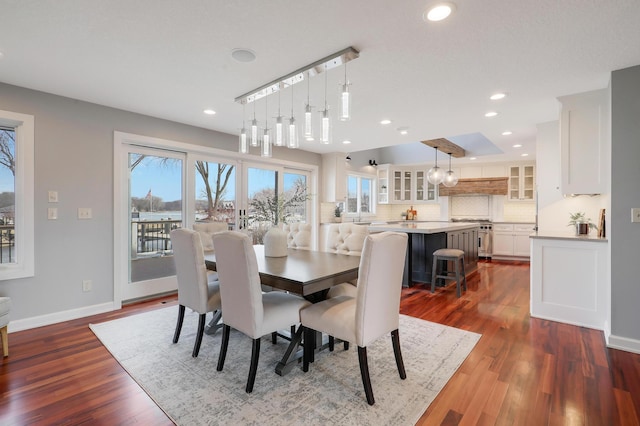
<point x="485" y="235"/>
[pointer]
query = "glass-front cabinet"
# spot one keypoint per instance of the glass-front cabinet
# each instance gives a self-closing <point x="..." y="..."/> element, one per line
<point x="522" y="183"/>
<point x="404" y="185"/>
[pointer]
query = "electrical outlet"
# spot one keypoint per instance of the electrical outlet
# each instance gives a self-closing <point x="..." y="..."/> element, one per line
<point x="86" y="285"/>
<point x="84" y="213"/>
<point x="635" y="215"/>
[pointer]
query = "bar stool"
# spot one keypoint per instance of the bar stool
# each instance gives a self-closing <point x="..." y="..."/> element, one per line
<point x="457" y="257"/>
<point x="5" y="307"/>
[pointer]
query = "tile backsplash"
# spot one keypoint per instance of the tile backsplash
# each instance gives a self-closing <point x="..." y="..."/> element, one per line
<point x="520" y="212"/>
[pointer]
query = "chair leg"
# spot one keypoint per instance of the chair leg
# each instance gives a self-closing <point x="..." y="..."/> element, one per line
<point x="395" y="340"/>
<point x="464" y="275"/>
<point x="434" y="270"/>
<point x="223" y="346"/>
<point x="458" y="280"/>
<point x="201" y="323"/>
<point x="364" y="372"/>
<point x="346" y="346"/>
<point x="274" y="337"/>
<point x="176" y="335"/>
<point x="332" y="342"/>
<point x="255" y="354"/>
<point x="5" y="341"/>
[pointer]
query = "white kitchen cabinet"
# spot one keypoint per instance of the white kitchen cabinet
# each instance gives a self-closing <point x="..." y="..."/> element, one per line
<point x="334" y="177"/>
<point x="511" y="240"/>
<point x="402" y="185"/>
<point x="383" y="184"/>
<point x="410" y="185"/>
<point x="584" y="142"/>
<point x="425" y="191"/>
<point x="522" y="183"/>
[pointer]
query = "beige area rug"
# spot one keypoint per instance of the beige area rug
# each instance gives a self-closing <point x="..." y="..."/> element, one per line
<point x="192" y="392"/>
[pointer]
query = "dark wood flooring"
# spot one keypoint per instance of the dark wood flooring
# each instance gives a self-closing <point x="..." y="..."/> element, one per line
<point x="523" y="371"/>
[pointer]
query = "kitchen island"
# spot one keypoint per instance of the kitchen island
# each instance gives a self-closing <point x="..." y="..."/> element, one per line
<point x="427" y="237"/>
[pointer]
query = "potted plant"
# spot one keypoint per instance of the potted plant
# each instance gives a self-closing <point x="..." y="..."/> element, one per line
<point x="338" y="214"/>
<point x="582" y="224"/>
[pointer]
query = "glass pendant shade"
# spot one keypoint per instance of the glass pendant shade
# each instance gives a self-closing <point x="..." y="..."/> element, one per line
<point x="450" y="178"/>
<point x="254" y="133"/>
<point x="308" y="124"/>
<point x="326" y="128"/>
<point x="345" y="113"/>
<point x="243" y="146"/>
<point x="292" y="140"/>
<point x="279" y="139"/>
<point x="265" y="151"/>
<point x="435" y="175"/>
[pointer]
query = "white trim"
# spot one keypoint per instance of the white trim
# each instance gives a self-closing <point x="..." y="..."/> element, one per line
<point x="56" y="317"/>
<point x="624" y="344"/>
<point x="24" y="196"/>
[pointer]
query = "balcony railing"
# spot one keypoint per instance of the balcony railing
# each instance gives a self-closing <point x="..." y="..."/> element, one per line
<point x="152" y="237"/>
<point x="7" y="249"/>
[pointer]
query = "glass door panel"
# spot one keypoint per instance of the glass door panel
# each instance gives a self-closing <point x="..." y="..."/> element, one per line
<point x="155" y="200"/>
<point x="215" y="192"/>
<point x="295" y="201"/>
<point x="262" y="193"/>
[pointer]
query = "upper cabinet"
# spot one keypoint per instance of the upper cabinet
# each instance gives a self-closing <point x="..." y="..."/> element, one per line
<point x="522" y="183"/>
<point x="584" y="142"/>
<point x="334" y="177"/>
<point x="404" y="185"/>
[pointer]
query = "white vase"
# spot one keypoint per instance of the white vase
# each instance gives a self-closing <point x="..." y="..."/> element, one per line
<point x="275" y="242"/>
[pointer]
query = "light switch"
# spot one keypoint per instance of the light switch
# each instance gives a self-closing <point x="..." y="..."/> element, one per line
<point x="53" y="196"/>
<point x="52" y="213"/>
<point x="84" y="213"/>
<point x="635" y="215"/>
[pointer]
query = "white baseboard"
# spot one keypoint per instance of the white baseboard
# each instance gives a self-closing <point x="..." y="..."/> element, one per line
<point x="624" y="344"/>
<point x="56" y="317"/>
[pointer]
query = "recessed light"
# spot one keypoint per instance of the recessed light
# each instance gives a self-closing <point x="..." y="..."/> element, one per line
<point x="517" y="145"/>
<point x="243" y="55"/>
<point x="507" y="133"/>
<point x="473" y="158"/>
<point x="438" y="12"/>
<point x="385" y="122"/>
<point x="209" y="112"/>
<point x="310" y="139"/>
<point x="346" y="142"/>
<point x="524" y="155"/>
<point x="497" y="96"/>
<point x="491" y="114"/>
<point x="403" y="130"/>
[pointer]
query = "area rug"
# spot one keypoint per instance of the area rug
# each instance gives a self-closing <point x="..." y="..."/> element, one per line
<point x="191" y="392"/>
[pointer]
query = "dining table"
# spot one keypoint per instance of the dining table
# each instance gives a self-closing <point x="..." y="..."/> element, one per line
<point x="308" y="273"/>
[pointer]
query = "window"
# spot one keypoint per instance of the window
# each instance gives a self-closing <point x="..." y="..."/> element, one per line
<point x="359" y="195"/>
<point x="16" y="195"/>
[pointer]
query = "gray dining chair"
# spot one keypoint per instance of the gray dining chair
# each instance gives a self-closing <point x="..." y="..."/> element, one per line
<point x="196" y="289"/>
<point x="246" y="308"/>
<point x="374" y="312"/>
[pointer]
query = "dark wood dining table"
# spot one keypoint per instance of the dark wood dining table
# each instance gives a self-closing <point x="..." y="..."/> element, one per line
<point x="308" y="273"/>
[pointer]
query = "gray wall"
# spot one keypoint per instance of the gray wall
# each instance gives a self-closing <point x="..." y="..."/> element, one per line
<point x="625" y="194"/>
<point x="74" y="156"/>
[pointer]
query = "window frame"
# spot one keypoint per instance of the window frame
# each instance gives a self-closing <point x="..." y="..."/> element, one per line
<point x="373" y="195"/>
<point x="24" y="267"/>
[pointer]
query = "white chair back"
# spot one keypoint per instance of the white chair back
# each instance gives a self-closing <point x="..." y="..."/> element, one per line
<point x="206" y="231"/>
<point x="239" y="282"/>
<point x="346" y="238"/>
<point x="379" y="286"/>
<point x="191" y="271"/>
<point x="298" y="235"/>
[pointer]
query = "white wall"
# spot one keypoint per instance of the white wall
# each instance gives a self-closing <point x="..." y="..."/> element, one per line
<point x="74" y="155"/>
<point x="625" y="194"/>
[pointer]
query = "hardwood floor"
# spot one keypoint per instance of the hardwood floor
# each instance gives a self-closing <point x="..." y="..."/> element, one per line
<point x="522" y="371"/>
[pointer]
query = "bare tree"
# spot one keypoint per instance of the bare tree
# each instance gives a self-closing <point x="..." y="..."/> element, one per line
<point x="7" y="149"/>
<point x="224" y="172"/>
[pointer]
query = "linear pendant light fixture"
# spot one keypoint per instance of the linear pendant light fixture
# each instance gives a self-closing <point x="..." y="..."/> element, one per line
<point x="254" y="129"/>
<point x="243" y="146"/>
<point x="322" y="65"/>
<point x="292" y="140"/>
<point x="325" y="137"/>
<point x="279" y="139"/>
<point x="266" y="140"/>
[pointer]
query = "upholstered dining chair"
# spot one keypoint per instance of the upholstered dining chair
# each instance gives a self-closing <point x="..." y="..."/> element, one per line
<point x="345" y="238"/>
<point x="374" y="312"/>
<point x="196" y="289"/>
<point x="298" y="235"/>
<point x="246" y="308"/>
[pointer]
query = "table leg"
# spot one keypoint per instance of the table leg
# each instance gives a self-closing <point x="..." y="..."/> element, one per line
<point x="214" y="324"/>
<point x="292" y="355"/>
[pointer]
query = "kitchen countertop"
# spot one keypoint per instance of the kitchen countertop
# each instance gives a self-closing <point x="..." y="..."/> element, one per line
<point x="424" y="227"/>
<point x="570" y="236"/>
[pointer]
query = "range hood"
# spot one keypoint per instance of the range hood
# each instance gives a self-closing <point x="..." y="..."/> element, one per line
<point x="489" y="186"/>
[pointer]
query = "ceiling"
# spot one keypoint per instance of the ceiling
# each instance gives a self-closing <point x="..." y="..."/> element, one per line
<point x="172" y="59"/>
